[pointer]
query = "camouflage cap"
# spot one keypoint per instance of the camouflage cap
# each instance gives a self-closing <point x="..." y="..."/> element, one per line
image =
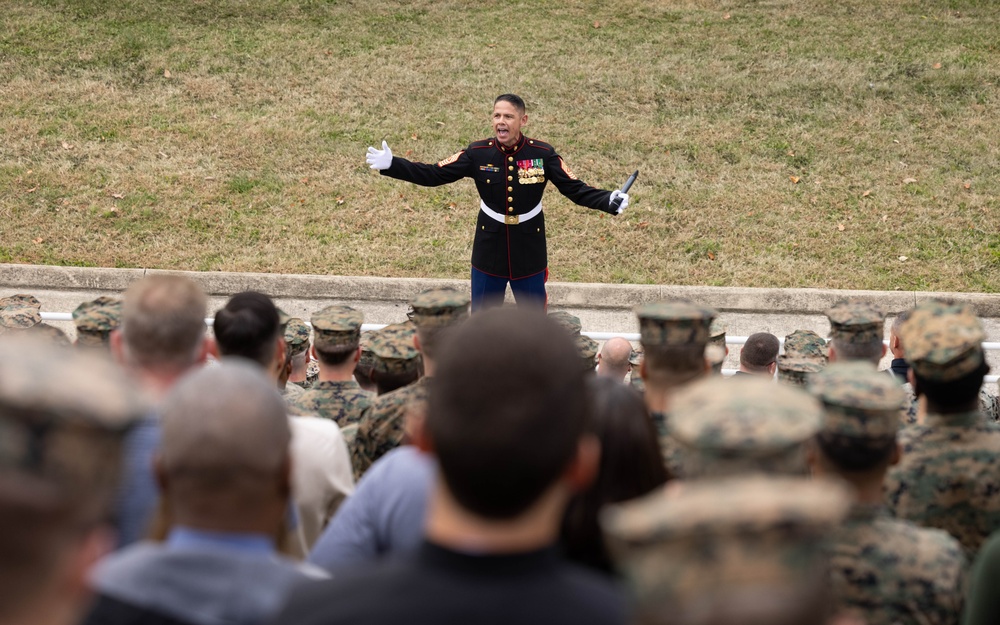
<point x="587" y="347"/>
<point x="336" y="328"/>
<point x="439" y="307"/>
<point x="570" y="322"/>
<point x="674" y="322"/>
<point x="856" y="320"/>
<point x="63" y="415"/>
<point x="635" y="358"/>
<point x="394" y="350"/>
<point x="943" y="341"/>
<point x="807" y="344"/>
<point x="296" y="335"/>
<point x="859" y="401"/>
<point x="746" y="424"/>
<point x="96" y="319"/>
<point x="693" y="552"/>
<point x="51" y="334"/>
<point x="19" y="312"/>
<point x="367" y="355"/>
<point x="717" y="333"/>
<point x="796" y="370"/>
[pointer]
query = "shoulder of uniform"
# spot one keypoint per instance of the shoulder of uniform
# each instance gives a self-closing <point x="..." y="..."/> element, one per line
<point x="535" y="143"/>
<point x="485" y="143"/>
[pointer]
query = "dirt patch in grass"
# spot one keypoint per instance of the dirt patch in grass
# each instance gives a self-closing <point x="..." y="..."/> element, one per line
<point x="827" y="144"/>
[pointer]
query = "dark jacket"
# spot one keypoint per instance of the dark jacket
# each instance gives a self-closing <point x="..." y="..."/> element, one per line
<point x="510" y="181"/>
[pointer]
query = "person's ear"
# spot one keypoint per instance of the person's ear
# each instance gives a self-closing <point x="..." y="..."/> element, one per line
<point x="279" y="352"/>
<point x="212" y="348"/>
<point x="118" y="346"/>
<point x="206" y="347"/>
<point x="92" y="547"/>
<point x="524" y="120"/>
<point x="416" y="343"/>
<point x="897" y="455"/>
<point x="357" y="356"/>
<point x="832" y="353"/>
<point x="420" y="437"/>
<point x="884" y="351"/>
<point x="771" y="368"/>
<point x="582" y="469"/>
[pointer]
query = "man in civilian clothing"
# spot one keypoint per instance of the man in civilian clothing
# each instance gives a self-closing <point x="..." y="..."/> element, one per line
<point x="759" y="355"/>
<point x="224" y="469"/>
<point x="508" y="463"/>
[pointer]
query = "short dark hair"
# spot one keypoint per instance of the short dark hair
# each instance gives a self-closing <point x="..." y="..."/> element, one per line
<point x="504" y="425"/>
<point x="513" y="99"/>
<point x="954" y="396"/>
<point x="869" y="351"/>
<point x="631" y="466"/>
<point x="388" y="382"/>
<point x="673" y="365"/>
<point x="247" y="326"/>
<point x="332" y="358"/>
<point x="851" y="454"/>
<point x="760" y="351"/>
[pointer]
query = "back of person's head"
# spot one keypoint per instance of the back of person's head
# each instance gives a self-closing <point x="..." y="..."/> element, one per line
<point x="225" y="448"/>
<point x="631" y="465"/>
<point x="614" y="358"/>
<point x="163" y="322"/>
<point x="247" y="326"/>
<point x="672" y="366"/>
<point x="508" y="408"/>
<point x="64" y="415"/>
<point x="951" y="396"/>
<point x="870" y="349"/>
<point x="760" y="352"/>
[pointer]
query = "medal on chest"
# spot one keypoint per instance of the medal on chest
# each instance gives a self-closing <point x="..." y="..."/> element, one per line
<point x="531" y="171"/>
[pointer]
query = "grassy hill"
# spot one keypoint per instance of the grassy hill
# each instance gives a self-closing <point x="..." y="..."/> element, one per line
<point x="843" y="144"/>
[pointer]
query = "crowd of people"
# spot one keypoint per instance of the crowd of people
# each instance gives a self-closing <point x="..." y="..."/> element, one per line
<point x="499" y="467"/>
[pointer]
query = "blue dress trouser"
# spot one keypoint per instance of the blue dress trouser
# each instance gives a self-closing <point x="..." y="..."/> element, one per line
<point x="488" y="291"/>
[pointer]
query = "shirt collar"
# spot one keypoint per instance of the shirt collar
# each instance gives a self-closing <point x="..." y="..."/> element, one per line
<point x="970" y="418"/>
<point x="190" y="538"/>
<point x="514" y="148"/>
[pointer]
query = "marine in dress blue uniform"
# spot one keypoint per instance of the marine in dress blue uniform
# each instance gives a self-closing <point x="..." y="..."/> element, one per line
<point x="510" y="172"/>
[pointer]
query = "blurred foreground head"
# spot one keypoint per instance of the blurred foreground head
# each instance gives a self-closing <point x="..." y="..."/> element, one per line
<point x="744" y="551"/>
<point x="508" y="410"/>
<point x="63" y="415"/>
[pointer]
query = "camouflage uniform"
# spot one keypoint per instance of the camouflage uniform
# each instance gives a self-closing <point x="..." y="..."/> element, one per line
<point x="856" y="320"/>
<point x="663" y="326"/>
<point x="337" y="328"/>
<point x="716" y="350"/>
<point x="383" y="427"/>
<point x="728" y="428"/>
<point x="885" y="570"/>
<point x="989" y="406"/>
<point x="730" y="550"/>
<point x="796" y="370"/>
<point x="947" y="477"/>
<point x="587" y="347"/>
<point x="807" y="345"/>
<point x="19" y="312"/>
<point x="296" y="342"/>
<point x="571" y="323"/>
<point x="95" y="320"/>
<point x="635" y="377"/>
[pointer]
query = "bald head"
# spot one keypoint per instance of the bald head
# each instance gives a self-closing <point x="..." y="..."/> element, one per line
<point x="224" y="458"/>
<point x="613" y="359"/>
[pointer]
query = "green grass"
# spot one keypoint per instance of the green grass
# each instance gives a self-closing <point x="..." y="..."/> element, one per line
<point x="774" y="138"/>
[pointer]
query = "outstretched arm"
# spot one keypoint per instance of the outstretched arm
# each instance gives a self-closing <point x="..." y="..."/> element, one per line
<point x="450" y="169"/>
<point x="580" y="192"/>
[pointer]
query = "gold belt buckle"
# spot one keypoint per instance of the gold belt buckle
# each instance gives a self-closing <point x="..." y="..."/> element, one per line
<point x="512" y="220"/>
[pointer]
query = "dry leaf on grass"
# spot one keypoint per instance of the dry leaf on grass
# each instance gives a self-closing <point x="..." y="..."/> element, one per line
<point x="166" y="73"/>
<point x="936" y="66"/>
<point x="597" y="24"/>
<point x="642" y="224"/>
<point x="866" y="193"/>
<point x="909" y="180"/>
<point x="903" y="258"/>
<point x="66" y="146"/>
<point x="711" y="256"/>
<point x="452" y="205"/>
<point x="841" y="227"/>
<point x="37" y="240"/>
<point x="32" y="189"/>
<point x="726" y="16"/>
<point x="794" y="179"/>
<point x="967" y="185"/>
<point x="118" y="196"/>
<point x="340" y="200"/>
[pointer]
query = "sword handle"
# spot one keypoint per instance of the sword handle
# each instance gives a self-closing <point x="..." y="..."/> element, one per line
<point x="625" y="188"/>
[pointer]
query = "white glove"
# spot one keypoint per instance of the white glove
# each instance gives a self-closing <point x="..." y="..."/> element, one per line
<point x="624" y="198"/>
<point x="379" y="159"/>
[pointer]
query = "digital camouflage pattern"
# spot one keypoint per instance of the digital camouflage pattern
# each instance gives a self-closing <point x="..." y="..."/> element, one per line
<point x="856" y="320"/>
<point x="796" y="370"/>
<point x="394" y="351"/>
<point x="670" y="448"/>
<point x="367" y="361"/>
<point x="291" y="390"/>
<point x="717" y="333"/>
<point x="383" y="426"/>
<point x="807" y="345"/>
<point x="296" y="336"/>
<point x="63" y="416"/>
<point x="343" y="402"/>
<point x="858" y="401"/>
<point x="336" y="328"/>
<point x="674" y="322"/>
<point x="741" y="426"/>
<point x="587" y="348"/>
<point x="571" y="323"/>
<point x="19" y="312"/>
<point x="947" y="477"/>
<point x="96" y="319"/>
<point x="942" y="340"/>
<point x="887" y="571"/>
<point x="690" y="551"/>
<point x="439" y="307"/>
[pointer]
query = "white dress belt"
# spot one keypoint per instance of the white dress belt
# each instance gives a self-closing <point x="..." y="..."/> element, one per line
<point x="510" y="220"/>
